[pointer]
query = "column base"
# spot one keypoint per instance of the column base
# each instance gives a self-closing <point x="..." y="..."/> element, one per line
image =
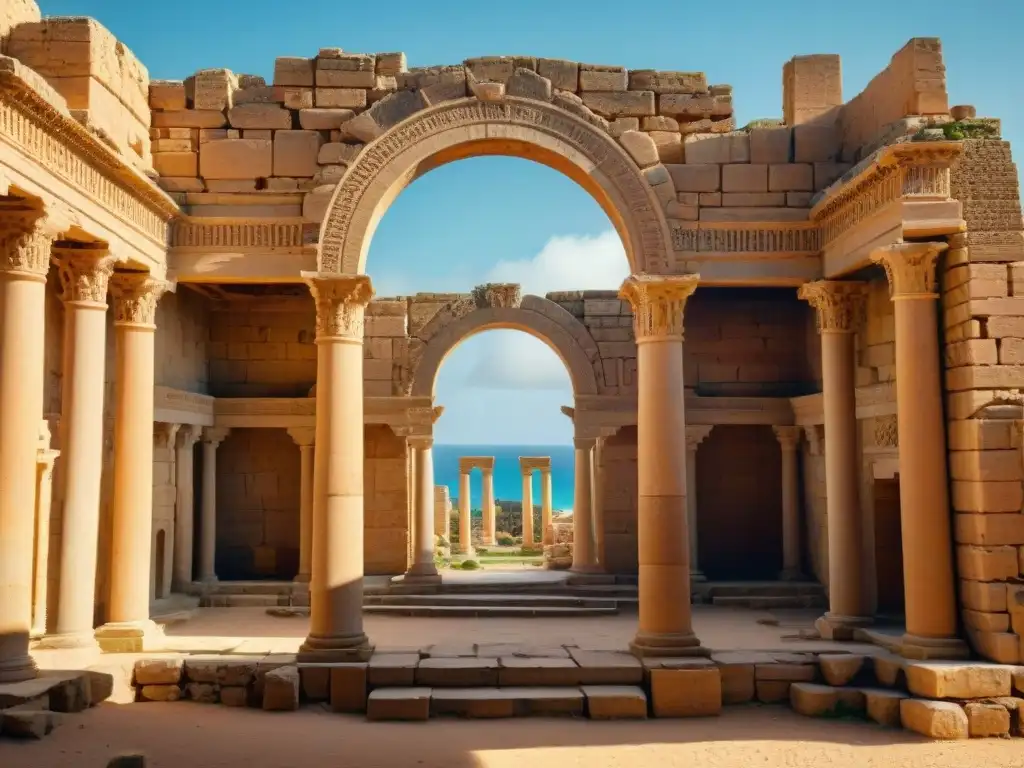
<point x="925" y="648"/>
<point x="790" y="574"/>
<point x="337" y="649"/>
<point x="418" y="579"/>
<point x="658" y="645"/>
<point x="18" y="669"/>
<point x="488" y="542"/>
<point x="67" y="640"/>
<point x="130" y="636"/>
<point x="834" y="627"/>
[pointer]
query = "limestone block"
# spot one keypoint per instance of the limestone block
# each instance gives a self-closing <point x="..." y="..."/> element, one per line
<point x="384" y="114"/>
<point x="338" y="153"/>
<point x="599" y="77"/>
<point x="528" y="84"/>
<point x="795" y="673"/>
<point x="296" y="152"/>
<point x="738" y="214"/>
<point x="815" y="143"/>
<point x="393" y="669"/>
<point x="456" y="672"/>
<point x="883" y="706"/>
<point x="702" y="107"/>
<point x="315" y="680"/>
<point x="987" y="563"/>
<point x="619" y="103"/>
<point x="497" y="69"/>
<point x="693" y="692"/>
<point x="486" y="91"/>
<point x="293" y="70"/>
<point x="983" y="596"/>
<point x="615" y="702"/>
<point x="161" y="671"/>
<point x="346" y="98"/>
<point x="258" y="94"/>
<point x="1018" y="682"/>
<point x="987" y="496"/>
<point x="348" y="687"/>
<point x="26" y="723"/>
<point x="296" y="98"/>
<point x="669" y="144"/>
<point x="813" y="700"/>
<point x="550" y="701"/>
<point x="399" y="704"/>
<point x="189" y="118"/>
<point x="771" y="146"/>
<point x="641" y="148"/>
<point x="744" y="177"/>
<point x="517" y="671"/>
<point x="214" y="89"/>
<point x="696" y="177"/>
<point x="391" y="64"/>
<point x="172" y="145"/>
<point x="346" y="71"/>
<point x="324" y="119"/>
<point x="987" y="719"/>
<point x="281" y="689"/>
<point x="840" y="668"/>
<point x="159" y="693"/>
<point x="934" y="719"/>
<point x="958" y="679"/>
<point x="737" y="671"/>
<point x="260" y="116"/>
<point x="660" y="81"/>
<point x="176" y="163"/>
<point x="234" y="696"/>
<point x="222" y="670"/>
<point x="990" y="530"/>
<point x="607" y="667"/>
<point x="314" y="204"/>
<point x="703" y="148"/>
<point x="167" y="94"/>
<point x="472" y="702"/>
<point x="236" y="159"/>
<point x="16" y="12"/>
<point x="564" y="75"/>
<point x="791" y="177"/>
<point x="204" y="693"/>
<point x="572" y="103"/>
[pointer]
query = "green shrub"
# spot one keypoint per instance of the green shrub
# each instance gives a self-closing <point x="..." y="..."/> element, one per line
<point x="481" y="551"/>
<point x="469" y="565"/>
<point x="505" y="539"/>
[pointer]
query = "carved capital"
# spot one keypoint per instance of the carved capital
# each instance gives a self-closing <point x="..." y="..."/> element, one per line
<point x="421" y="442"/>
<point x="910" y="269"/>
<point x="658" y="303"/>
<point x="788" y="437"/>
<point x="815" y="438"/>
<point x="24" y="243"/>
<point x="164" y="434"/>
<point x="84" y="275"/>
<point x="839" y="304"/>
<point x="215" y="435"/>
<point x="188" y="436"/>
<point x="340" y="304"/>
<point x="696" y="434"/>
<point x="303" y="436"/>
<point x="136" y="295"/>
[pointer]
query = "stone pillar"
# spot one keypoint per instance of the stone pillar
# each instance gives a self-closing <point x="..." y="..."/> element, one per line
<point x="465" y="516"/>
<point x="212" y="438"/>
<point x="839" y="307"/>
<point x="527" y="507"/>
<point x="184" y="507"/>
<point x="545" y="504"/>
<point x="695" y="435"/>
<point x="584" y="551"/>
<point x="930" y="595"/>
<point x="488" y="506"/>
<point x="665" y="625"/>
<point x="129" y="628"/>
<point x="304" y="437"/>
<point x="423" y="570"/>
<point x="24" y="262"/>
<point x="84" y="275"/>
<point x="44" y="495"/>
<point x="336" y="589"/>
<point x="789" y="441"/>
<point x="597" y="503"/>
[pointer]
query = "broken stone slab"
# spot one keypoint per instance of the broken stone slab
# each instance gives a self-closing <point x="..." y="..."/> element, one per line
<point x="397" y="669"/>
<point x="266" y="665"/>
<point x="399" y="704"/>
<point x="615" y="702"/>
<point x="348" y="687"/>
<point x="27" y="723"/>
<point x="515" y="671"/>
<point x="281" y="689"/>
<point x="159" y="693"/>
<point x="840" y="668"/>
<point x="457" y="672"/>
<point x="958" y="679"/>
<point x="986" y="719"/>
<point x="71" y="691"/>
<point x="222" y="670"/>
<point x="388" y="112"/>
<point x="607" y="667"/>
<point x="527" y="84"/>
<point x="166" y="671"/>
<point x="883" y="705"/>
<point x="934" y="719"/>
<point x="686" y="692"/>
<point x="813" y="700"/>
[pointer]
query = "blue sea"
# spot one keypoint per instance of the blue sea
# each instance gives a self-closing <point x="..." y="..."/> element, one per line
<point x="508" y="482"/>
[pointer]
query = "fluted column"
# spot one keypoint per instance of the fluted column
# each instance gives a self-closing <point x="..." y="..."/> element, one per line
<point x="584" y="551"/>
<point x="695" y="435"/>
<point x="465" y="516"/>
<point x="212" y="438"/>
<point x="665" y="625"/>
<point x="930" y="596"/>
<point x="527" y="507"/>
<point x="129" y="628"/>
<point x="423" y="570"/>
<point x="488" y="506"/>
<point x="184" y="506"/>
<point x="304" y="438"/>
<point x="24" y="262"/>
<point x="789" y="441"/>
<point x="44" y="497"/>
<point x="84" y="275"/>
<point x="336" y="590"/>
<point x="839" y="307"/>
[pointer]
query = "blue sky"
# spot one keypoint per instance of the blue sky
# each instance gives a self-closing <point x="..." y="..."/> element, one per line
<point x="497" y="218"/>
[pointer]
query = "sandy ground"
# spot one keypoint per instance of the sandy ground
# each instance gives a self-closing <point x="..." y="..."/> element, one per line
<point x="199" y="736"/>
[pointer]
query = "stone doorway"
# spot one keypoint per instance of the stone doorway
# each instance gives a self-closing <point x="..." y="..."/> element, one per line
<point x="888" y="547"/>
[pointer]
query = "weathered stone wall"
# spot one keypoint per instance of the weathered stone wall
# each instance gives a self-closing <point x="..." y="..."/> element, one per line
<point x="385" y="482"/>
<point x="814" y="528"/>
<point x="619" y="501"/>
<point x="164" y="496"/>
<point x="182" y="338"/>
<point x="13" y="13"/>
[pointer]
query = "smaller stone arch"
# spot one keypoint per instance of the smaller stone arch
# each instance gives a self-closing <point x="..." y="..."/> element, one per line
<point x="541" y="318"/>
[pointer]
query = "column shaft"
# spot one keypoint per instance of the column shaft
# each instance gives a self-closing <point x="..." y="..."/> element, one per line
<point x="208" y="510"/>
<point x="583" y="550"/>
<point x="527" y="508"/>
<point x="305" y="513"/>
<point x="789" y="441"/>
<point x="691" y="512"/>
<point x="488" y="506"/>
<point x="423" y="568"/>
<point x="598" y="503"/>
<point x="44" y="497"/>
<point x="184" y="507"/>
<point x="545" y="505"/>
<point x="465" y="516"/>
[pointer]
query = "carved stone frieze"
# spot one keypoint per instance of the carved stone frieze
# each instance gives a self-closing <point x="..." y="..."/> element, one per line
<point x="85" y="275"/>
<point x="658" y="304"/>
<point x="885" y="432"/>
<point x="24" y="243"/>
<point x="776" y="238"/>
<point x="839" y="305"/>
<point x="136" y="296"/>
<point x="910" y="268"/>
<point x="340" y="304"/>
<point x="234" y="234"/>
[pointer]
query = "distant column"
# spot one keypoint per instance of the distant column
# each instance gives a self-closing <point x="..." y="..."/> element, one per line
<point x="423" y="569"/>
<point x="488" y="507"/>
<point x="304" y="437"/>
<point x="212" y="438"/>
<point x="545" y="505"/>
<point x="465" y="516"/>
<point x="695" y="435"/>
<point x="789" y="441"/>
<point x="583" y="550"/>
<point x="527" y="507"/>
<point x="184" y="506"/>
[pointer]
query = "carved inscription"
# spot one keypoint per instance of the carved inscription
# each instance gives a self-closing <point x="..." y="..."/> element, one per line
<point x="237" y="234"/>
<point x="779" y="239"/>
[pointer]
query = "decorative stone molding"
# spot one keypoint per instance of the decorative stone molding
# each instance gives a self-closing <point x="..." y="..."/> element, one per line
<point x="421" y="442"/>
<point x="658" y="304"/>
<point x="24" y="243"/>
<point x="340" y="304"/>
<point x="886" y="432"/>
<point x="839" y="304"/>
<point x="788" y="437"/>
<point x="815" y="438"/>
<point x="910" y="268"/>
<point x="498" y="295"/>
<point x="136" y="295"/>
<point x="215" y="435"/>
<point x="697" y="434"/>
<point x="165" y="434"/>
<point x="85" y="275"/>
<point x="235" y="234"/>
<point x="302" y="436"/>
<point x="188" y="436"/>
<point x="777" y="239"/>
<point x="181" y="407"/>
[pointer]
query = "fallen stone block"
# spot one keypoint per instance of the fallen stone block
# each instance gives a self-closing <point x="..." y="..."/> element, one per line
<point x="235" y="670"/>
<point x="27" y="724"/>
<point x="1015" y="709"/>
<point x="934" y="719"/>
<point x="101" y="686"/>
<point x="888" y="669"/>
<point x="281" y="689"/>
<point x="515" y="671"/>
<point x="986" y="719"/>
<point x="681" y="692"/>
<point x="204" y="693"/>
<point x="958" y="679"/>
<point x="159" y="693"/>
<point x="471" y="702"/>
<point x="234" y="696"/>
<point x="457" y="672"/>
<point x="266" y="665"/>
<point x="840" y="668"/>
<point x="398" y="704"/>
<point x="70" y="691"/>
<point x="159" y="671"/>
<point x="813" y="700"/>
<point x="607" y="667"/>
<point x="615" y="702"/>
<point x="883" y="706"/>
<point x="348" y="687"/>
<point x="398" y="669"/>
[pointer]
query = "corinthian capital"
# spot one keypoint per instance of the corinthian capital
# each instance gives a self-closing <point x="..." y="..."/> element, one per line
<point x="340" y="303"/>
<point x="135" y="297"/>
<point x="910" y="268"/>
<point x="85" y="274"/>
<point x="24" y="243"/>
<point x="658" y="303"/>
<point x="839" y="304"/>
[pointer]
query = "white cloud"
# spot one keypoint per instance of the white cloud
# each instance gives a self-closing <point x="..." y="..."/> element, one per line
<point x="516" y="360"/>
<point x="568" y="263"/>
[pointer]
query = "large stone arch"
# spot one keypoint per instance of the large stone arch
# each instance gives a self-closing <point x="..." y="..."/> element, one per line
<point x="541" y="318"/>
<point x="534" y="130"/>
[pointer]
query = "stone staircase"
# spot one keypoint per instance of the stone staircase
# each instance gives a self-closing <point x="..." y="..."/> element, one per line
<point x="492" y="605"/>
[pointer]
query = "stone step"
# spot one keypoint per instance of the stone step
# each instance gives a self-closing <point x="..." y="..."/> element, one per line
<point x="250" y="588"/>
<point x="560" y="589"/>
<point x="243" y="601"/>
<point x="491" y="599"/>
<point x="506" y="702"/>
<point x="770" y="601"/>
<point x="486" y="611"/>
<point x="758" y="589"/>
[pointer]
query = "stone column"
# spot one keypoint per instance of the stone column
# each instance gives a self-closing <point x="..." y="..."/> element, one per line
<point x="84" y="275"/>
<point x="212" y="438"/>
<point x="789" y="441"/>
<point x="695" y="435"/>
<point x="44" y="496"/>
<point x="597" y="503"/>
<point x="336" y="589"/>
<point x="129" y="628"/>
<point x="665" y="626"/>
<point x="24" y="262"/>
<point x="930" y="594"/>
<point x="465" y="516"/>
<point x="184" y="507"/>
<point x="488" y="506"/>
<point x="839" y="307"/>
<point x="584" y="551"/>
<point x="304" y="437"/>
<point x="527" y="507"/>
<point x="423" y="570"/>
<point x="545" y="504"/>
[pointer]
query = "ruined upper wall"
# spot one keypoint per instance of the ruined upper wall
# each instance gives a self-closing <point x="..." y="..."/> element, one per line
<point x="13" y="13"/>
